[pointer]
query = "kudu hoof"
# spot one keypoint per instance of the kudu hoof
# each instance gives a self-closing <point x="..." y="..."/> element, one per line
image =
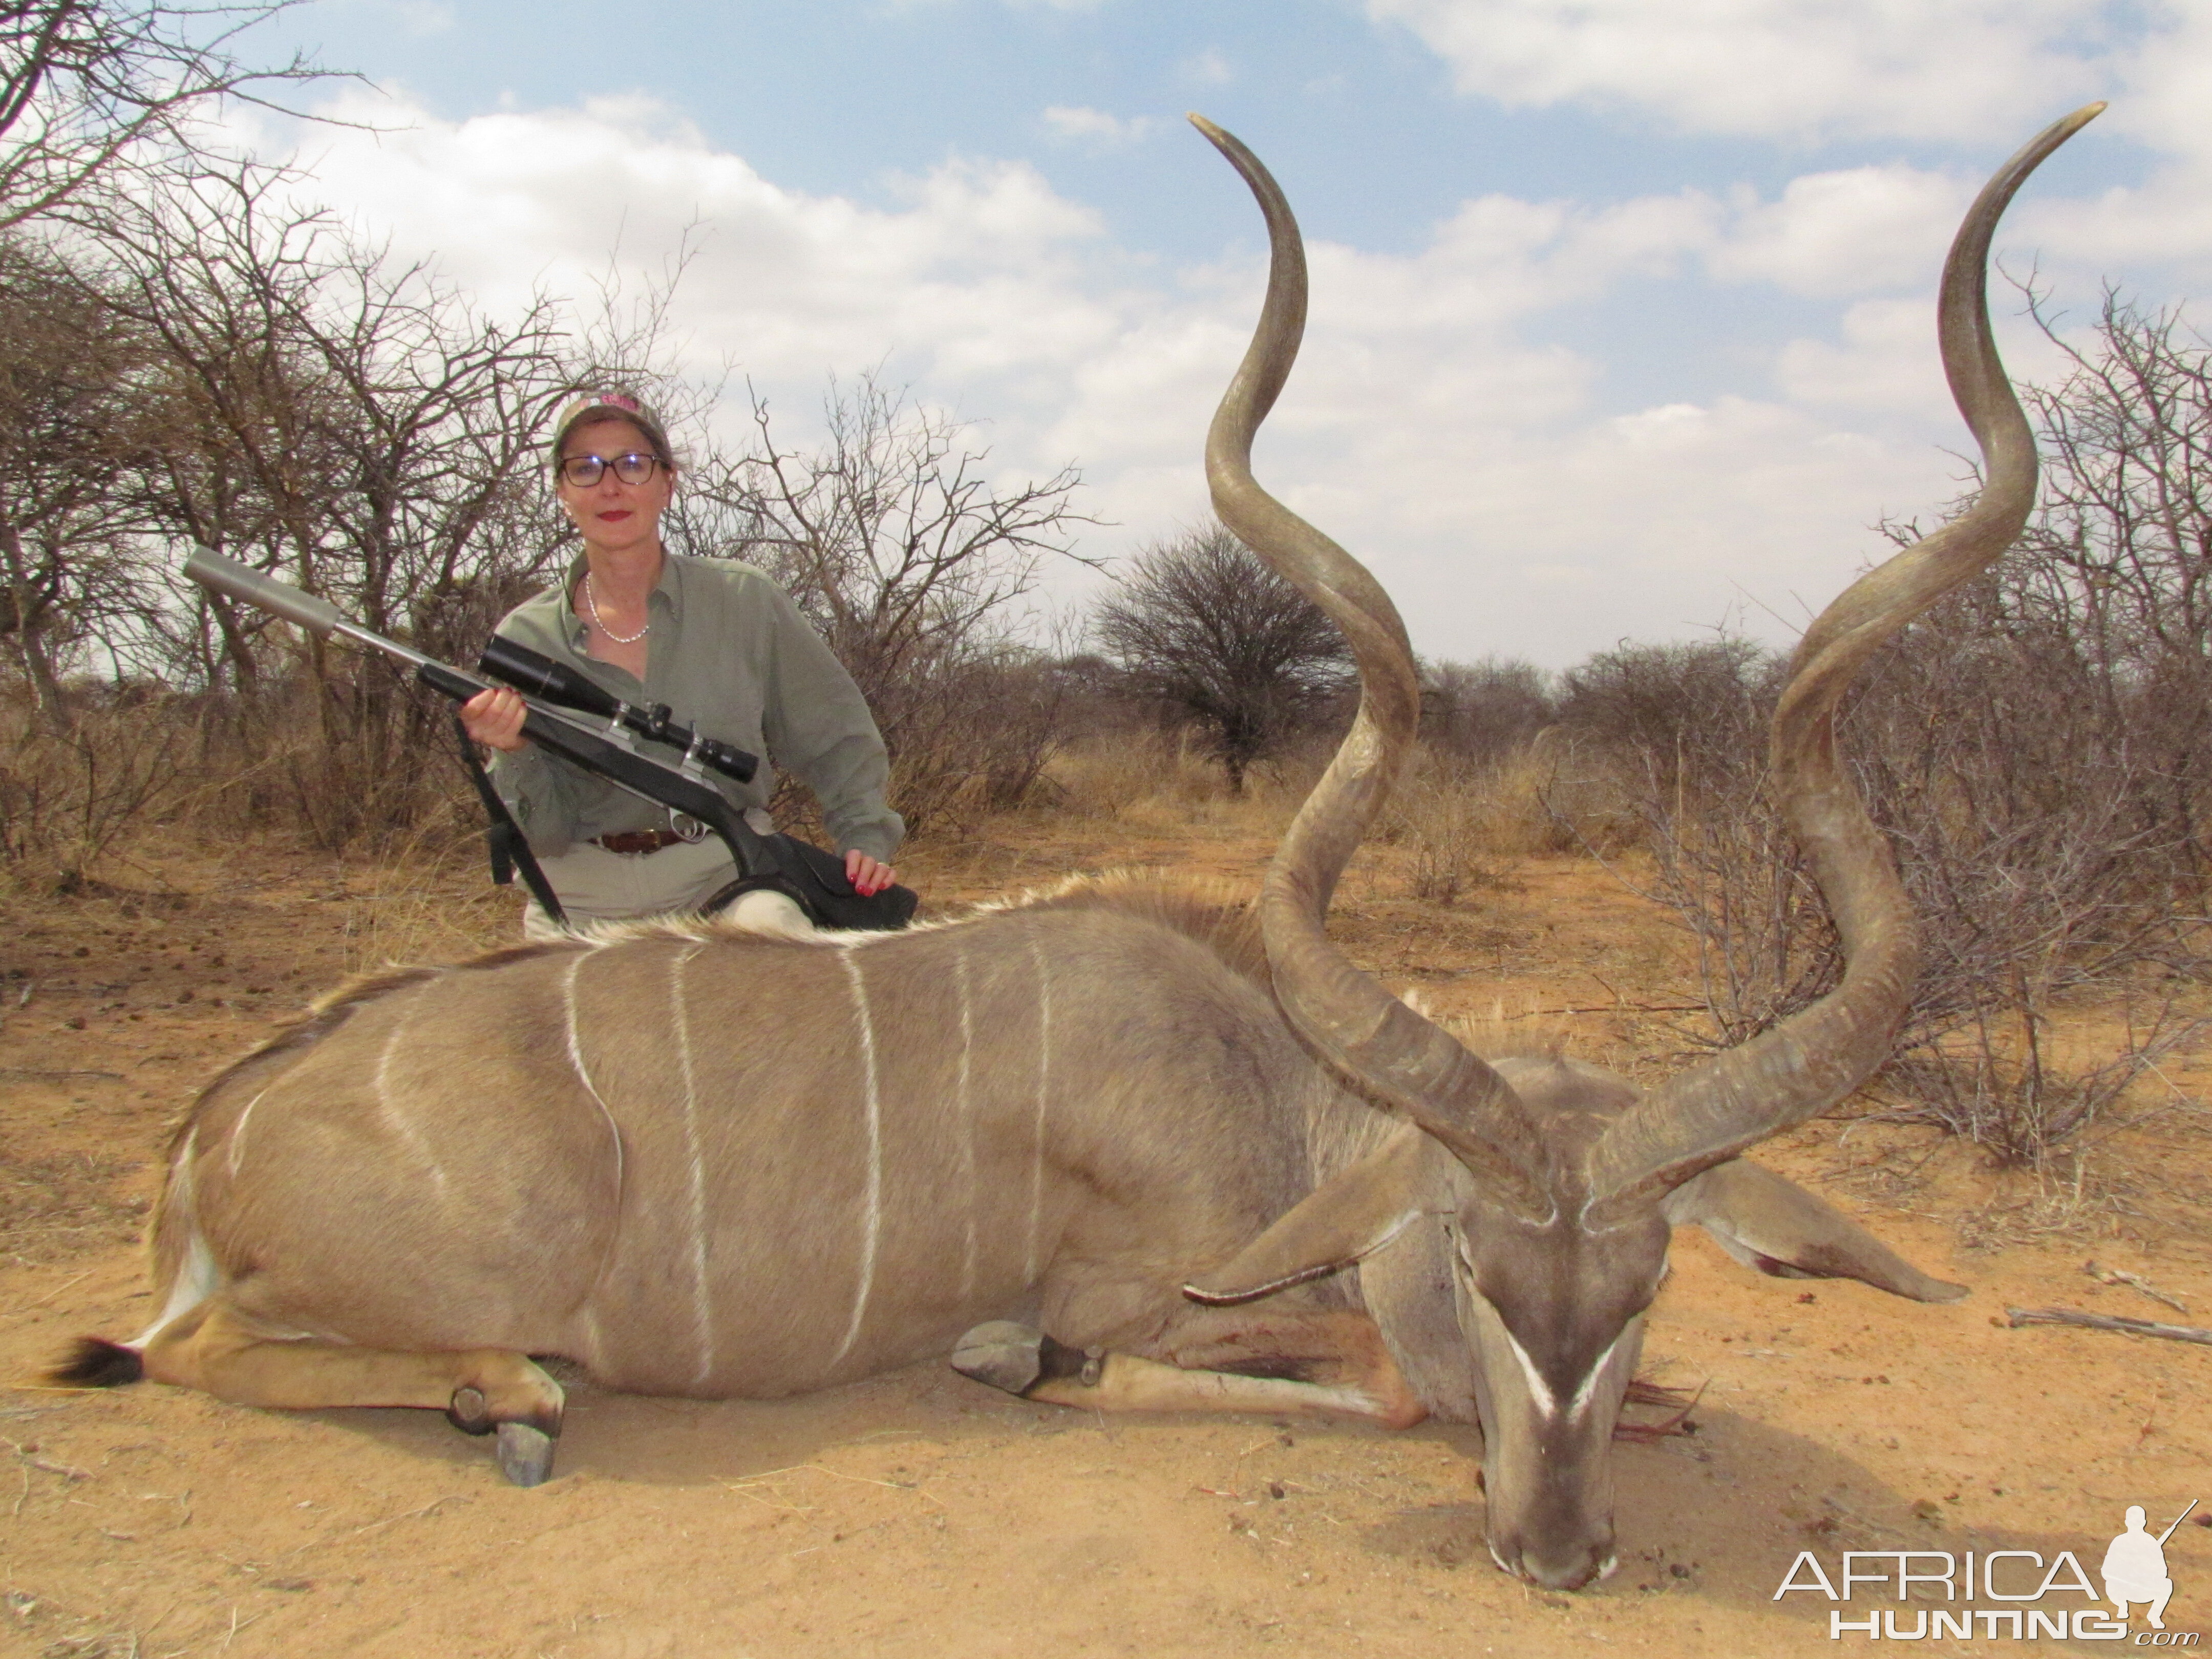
<point x="1003" y="1354"/>
<point x="524" y="1453"/>
<point x="1017" y="1358"/>
<point x="470" y="1411"/>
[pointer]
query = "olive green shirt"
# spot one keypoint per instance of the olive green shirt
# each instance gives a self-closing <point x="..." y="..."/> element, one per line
<point x="731" y="658"/>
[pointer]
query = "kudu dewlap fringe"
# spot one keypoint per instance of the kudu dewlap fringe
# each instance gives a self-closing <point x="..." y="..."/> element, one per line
<point x="1786" y="1075"/>
<point x="1358" y="1027"/>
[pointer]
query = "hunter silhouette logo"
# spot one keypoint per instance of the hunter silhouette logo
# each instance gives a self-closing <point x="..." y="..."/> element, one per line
<point x="2134" y="1567"/>
<point x="2029" y="1594"/>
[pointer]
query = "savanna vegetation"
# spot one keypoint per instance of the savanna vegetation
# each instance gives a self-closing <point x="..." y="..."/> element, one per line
<point x="194" y="355"/>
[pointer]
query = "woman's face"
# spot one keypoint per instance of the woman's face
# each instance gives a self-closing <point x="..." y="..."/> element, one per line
<point x="614" y="517"/>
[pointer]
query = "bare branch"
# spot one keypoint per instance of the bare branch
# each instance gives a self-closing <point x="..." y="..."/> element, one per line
<point x="92" y="89"/>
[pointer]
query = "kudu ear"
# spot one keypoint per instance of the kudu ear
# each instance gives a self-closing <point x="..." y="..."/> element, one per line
<point x="1777" y="1227"/>
<point x="1352" y="1214"/>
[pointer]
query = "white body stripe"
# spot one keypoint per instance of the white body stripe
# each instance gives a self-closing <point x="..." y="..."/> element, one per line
<point x="872" y="1104"/>
<point x="1044" y="1093"/>
<point x="397" y="1119"/>
<point x="197" y="1280"/>
<point x="702" y="1313"/>
<point x="966" y="1102"/>
<point x="576" y="1060"/>
<point x="237" y="1133"/>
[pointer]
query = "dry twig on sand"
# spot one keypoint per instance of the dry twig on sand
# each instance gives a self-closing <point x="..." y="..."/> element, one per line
<point x="2018" y="1317"/>
<point x="2121" y="1276"/>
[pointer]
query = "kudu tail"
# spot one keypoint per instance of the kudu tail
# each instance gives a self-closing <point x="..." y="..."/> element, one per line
<point x="185" y="1275"/>
<point x="94" y="1362"/>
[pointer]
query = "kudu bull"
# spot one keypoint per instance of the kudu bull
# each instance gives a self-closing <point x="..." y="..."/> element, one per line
<point x="697" y="1161"/>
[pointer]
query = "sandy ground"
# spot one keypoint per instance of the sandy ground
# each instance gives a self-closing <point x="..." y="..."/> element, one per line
<point x="920" y="1513"/>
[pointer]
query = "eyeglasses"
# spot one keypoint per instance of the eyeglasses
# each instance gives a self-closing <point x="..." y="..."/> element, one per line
<point x="582" y="472"/>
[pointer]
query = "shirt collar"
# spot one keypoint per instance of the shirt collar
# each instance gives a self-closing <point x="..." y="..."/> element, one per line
<point x="662" y="600"/>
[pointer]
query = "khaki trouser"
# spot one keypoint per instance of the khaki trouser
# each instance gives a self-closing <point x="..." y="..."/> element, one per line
<point x="595" y="885"/>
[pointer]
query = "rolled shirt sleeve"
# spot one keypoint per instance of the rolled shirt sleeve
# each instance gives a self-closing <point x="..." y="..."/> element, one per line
<point x="819" y="727"/>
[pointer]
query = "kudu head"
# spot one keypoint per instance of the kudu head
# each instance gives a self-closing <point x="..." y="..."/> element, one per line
<point x="1559" y="1184"/>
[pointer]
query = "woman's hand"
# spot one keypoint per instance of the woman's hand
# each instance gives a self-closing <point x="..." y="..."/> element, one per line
<point x="494" y="718"/>
<point x="868" y="875"/>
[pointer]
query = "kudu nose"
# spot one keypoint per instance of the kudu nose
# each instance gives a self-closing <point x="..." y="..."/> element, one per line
<point x="1559" y="1568"/>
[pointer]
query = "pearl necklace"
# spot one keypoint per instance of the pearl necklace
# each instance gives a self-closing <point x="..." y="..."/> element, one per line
<point x="592" y="605"/>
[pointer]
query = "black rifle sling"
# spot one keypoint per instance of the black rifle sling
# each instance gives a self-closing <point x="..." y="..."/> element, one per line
<point x="814" y="880"/>
<point x="503" y="837"/>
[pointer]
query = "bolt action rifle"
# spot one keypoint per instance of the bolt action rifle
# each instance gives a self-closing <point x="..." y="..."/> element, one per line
<point x="604" y="744"/>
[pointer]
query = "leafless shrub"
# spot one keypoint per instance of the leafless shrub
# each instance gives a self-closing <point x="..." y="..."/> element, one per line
<point x="1724" y="865"/>
<point x="2036" y="747"/>
<point x="69" y="414"/>
<point x="913" y="566"/>
<point x="1692" y="715"/>
<point x="1216" y="640"/>
<point x="2004" y="1089"/>
<point x="1124" y="775"/>
<point x="1436" y="814"/>
<point x="1566" y="792"/>
<point x="1484" y="711"/>
<point x="2026" y="889"/>
<point x="977" y="739"/>
<point x="69" y="791"/>
<point x="349" y="422"/>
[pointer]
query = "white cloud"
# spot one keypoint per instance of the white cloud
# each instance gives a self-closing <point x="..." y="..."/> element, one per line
<point x="789" y="282"/>
<point x="423" y="18"/>
<point x="1794" y="69"/>
<point x="1208" y="69"/>
<point x="1885" y="362"/>
<point x="1884" y="366"/>
<point x="1844" y="233"/>
<point x="1981" y="74"/>
<point x="1104" y="131"/>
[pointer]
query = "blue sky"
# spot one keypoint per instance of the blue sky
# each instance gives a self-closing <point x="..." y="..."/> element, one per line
<point x="1620" y="315"/>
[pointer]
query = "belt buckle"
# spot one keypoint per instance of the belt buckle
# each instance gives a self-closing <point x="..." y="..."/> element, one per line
<point x="685" y="828"/>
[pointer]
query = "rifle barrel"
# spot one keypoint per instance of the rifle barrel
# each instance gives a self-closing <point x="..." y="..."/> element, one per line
<point x="249" y="586"/>
<point x="2177" y="1520"/>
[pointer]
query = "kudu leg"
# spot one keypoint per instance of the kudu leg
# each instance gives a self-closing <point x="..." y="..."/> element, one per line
<point x="220" y="1351"/>
<point x="1318" y="1362"/>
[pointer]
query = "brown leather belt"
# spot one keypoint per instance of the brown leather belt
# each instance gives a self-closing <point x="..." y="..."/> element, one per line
<point x="639" y="841"/>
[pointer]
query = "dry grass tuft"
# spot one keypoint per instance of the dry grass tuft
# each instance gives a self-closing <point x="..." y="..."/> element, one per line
<point x="1438" y="816"/>
<point x="58" y="1206"/>
<point x="430" y="901"/>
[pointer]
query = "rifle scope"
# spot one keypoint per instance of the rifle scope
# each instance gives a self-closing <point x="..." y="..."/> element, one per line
<point x="537" y="675"/>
